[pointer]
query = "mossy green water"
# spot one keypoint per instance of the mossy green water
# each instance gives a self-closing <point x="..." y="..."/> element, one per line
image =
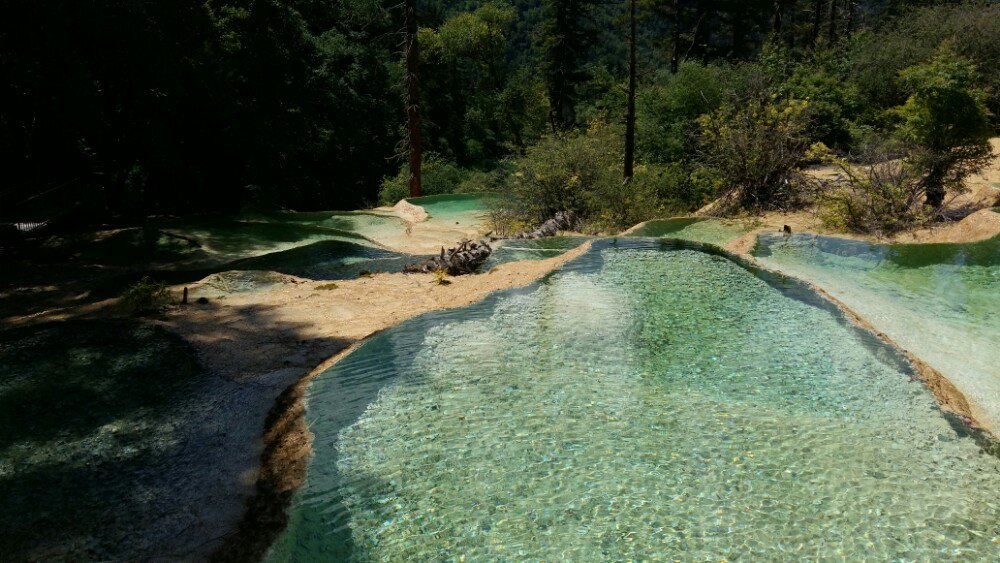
<point x="538" y="249"/>
<point x="712" y="231"/>
<point x="940" y="301"/>
<point x="451" y="205"/>
<point x="647" y="401"/>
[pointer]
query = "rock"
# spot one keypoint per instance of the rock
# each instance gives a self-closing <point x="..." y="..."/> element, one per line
<point x="561" y="221"/>
<point x="464" y="259"/>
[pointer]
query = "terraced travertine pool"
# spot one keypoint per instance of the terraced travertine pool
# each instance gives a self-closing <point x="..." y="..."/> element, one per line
<point x="941" y="301"/>
<point x="652" y="399"/>
<point x="698" y="229"/>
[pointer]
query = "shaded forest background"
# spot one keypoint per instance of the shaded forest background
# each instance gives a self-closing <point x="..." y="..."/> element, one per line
<point x="125" y="108"/>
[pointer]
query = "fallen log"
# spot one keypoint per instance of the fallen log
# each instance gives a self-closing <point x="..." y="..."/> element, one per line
<point x="466" y="258"/>
<point x="561" y="221"/>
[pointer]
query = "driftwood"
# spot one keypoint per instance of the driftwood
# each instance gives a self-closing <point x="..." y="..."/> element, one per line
<point x="561" y="221"/>
<point x="466" y="258"/>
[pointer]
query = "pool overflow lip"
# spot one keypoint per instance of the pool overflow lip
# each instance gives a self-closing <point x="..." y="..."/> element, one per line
<point x="267" y="514"/>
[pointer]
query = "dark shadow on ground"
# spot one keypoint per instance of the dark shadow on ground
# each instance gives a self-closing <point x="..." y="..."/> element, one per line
<point x="116" y="444"/>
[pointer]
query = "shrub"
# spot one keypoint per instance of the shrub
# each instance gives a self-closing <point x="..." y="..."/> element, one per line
<point x="565" y="172"/>
<point x="752" y="149"/>
<point x="439" y="176"/>
<point x="831" y="99"/>
<point x="145" y="296"/>
<point x="946" y="120"/>
<point x="665" y="114"/>
<point x="878" y="199"/>
<point x="582" y="172"/>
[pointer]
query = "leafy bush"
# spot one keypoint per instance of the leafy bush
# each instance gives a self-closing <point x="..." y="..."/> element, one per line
<point x="665" y="114"/>
<point x="876" y="57"/>
<point x="752" y="150"/>
<point x="565" y="173"/>
<point x="146" y="295"/>
<point x="582" y="172"/>
<point x="878" y="199"/>
<point x="439" y="176"/>
<point x="946" y="119"/>
<point x="832" y="100"/>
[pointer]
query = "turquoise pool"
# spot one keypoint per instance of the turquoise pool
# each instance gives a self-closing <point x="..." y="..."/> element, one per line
<point x="456" y="207"/>
<point x="712" y="231"/>
<point x="538" y="249"/>
<point x="651" y="399"/>
<point x="941" y="301"/>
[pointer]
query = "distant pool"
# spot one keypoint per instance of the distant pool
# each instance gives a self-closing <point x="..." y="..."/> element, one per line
<point x="651" y="399"/>
<point x="712" y="231"/>
<point x="537" y="249"/>
<point x="455" y="206"/>
<point x="941" y="301"/>
<point x="328" y="260"/>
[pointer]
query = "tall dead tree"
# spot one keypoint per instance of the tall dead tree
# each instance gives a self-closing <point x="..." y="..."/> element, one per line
<point x="675" y="55"/>
<point x="779" y="17"/>
<point x="817" y="19"/>
<point x="849" y="26"/>
<point x="833" y="22"/>
<point x="630" y="108"/>
<point x="413" y="97"/>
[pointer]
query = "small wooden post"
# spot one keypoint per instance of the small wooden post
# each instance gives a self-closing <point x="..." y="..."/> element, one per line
<point x="184" y="300"/>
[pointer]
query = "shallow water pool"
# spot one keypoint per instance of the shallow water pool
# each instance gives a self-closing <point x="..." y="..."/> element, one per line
<point x="464" y="208"/>
<point x="941" y="301"/>
<point x="712" y="231"/>
<point x="112" y="447"/>
<point x="513" y="250"/>
<point x="648" y="400"/>
<point x="328" y="260"/>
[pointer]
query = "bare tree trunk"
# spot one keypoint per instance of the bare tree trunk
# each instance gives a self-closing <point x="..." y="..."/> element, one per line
<point x="833" y="22"/>
<point x="675" y="62"/>
<point x="630" y="111"/>
<point x="701" y="31"/>
<point x="739" y="30"/>
<point x="413" y="97"/>
<point x="779" y="16"/>
<point x="850" y="17"/>
<point x="817" y="19"/>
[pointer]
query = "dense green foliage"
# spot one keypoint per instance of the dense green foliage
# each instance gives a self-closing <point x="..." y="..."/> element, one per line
<point x="133" y="108"/>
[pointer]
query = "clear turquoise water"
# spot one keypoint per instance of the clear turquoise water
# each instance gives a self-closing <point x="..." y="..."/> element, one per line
<point x="712" y="231"/>
<point x="941" y="301"/>
<point x="447" y="206"/>
<point x="539" y="249"/>
<point x="649" y="400"/>
<point x="328" y="260"/>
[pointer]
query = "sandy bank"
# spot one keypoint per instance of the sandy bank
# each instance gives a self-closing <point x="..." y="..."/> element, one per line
<point x="274" y="339"/>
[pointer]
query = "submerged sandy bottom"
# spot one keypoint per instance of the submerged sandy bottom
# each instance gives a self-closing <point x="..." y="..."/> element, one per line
<point x="940" y="301"/>
<point x="637" y="404"/>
